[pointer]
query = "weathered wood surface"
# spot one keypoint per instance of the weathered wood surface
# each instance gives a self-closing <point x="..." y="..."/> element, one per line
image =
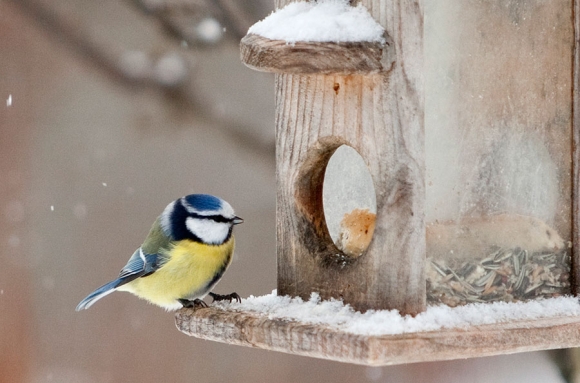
<point x="381" y="116"/>
<point x="254" y="330"/>
<point x="576" y="154"/>
<point x="277" y="56"/>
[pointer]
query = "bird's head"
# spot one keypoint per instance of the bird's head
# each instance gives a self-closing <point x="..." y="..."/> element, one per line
<point x="199" y="217"/>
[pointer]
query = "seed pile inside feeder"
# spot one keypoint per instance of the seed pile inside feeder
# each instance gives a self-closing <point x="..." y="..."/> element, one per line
<point x="508" y="275"/>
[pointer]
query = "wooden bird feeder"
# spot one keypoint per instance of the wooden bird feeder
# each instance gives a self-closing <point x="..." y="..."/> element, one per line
<point x="465" y="115"/>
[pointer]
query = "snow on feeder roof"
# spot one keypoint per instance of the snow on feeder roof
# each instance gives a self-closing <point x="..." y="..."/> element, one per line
<point x="324" y="21"/>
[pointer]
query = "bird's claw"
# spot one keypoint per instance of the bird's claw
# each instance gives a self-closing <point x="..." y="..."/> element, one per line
<point x="229" y="297"/>
<point x="196" y="303"/>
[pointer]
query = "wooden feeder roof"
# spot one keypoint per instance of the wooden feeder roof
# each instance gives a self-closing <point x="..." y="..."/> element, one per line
<point x="278" y="56"/>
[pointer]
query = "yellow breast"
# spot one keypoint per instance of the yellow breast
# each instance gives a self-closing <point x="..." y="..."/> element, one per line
<point x="186" y="275"/>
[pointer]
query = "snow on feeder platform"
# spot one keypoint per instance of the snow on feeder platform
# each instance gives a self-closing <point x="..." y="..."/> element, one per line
<point x="463" y="114"/>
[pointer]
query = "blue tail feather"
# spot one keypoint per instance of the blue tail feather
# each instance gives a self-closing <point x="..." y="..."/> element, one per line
<point x="98" y="294"/>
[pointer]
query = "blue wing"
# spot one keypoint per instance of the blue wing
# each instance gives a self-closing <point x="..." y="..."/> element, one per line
<point x="139" y="265"/>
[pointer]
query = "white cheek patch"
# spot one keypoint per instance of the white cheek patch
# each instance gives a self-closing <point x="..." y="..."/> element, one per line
<point x="208" y="230"/>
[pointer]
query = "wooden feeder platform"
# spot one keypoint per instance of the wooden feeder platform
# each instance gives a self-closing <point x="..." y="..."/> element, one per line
<point x="257" y="330"/>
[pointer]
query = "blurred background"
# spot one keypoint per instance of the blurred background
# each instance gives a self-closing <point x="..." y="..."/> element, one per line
<point x="109" y="110"/>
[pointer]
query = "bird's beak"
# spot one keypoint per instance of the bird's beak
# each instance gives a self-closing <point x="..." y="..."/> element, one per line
<point x="237" y="220"/>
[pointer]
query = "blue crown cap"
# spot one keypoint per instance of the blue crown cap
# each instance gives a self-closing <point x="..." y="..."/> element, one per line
<point x="203" y="202"/>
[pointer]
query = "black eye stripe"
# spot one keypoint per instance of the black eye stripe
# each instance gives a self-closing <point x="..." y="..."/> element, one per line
<point x="216" y="218"/>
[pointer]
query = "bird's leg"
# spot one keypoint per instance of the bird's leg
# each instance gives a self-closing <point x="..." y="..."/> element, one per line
<point x="196" y="303"/>
<point x="229" y="297"/>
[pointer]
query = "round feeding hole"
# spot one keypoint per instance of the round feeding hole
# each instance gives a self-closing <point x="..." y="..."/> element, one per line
<point x="349" y="201"/>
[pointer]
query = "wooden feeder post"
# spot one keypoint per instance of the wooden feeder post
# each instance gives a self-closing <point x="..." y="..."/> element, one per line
<point x="370" y="97"/>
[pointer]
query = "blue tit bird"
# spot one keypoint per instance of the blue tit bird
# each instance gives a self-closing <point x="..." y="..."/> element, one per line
<point x="186" y="253"/>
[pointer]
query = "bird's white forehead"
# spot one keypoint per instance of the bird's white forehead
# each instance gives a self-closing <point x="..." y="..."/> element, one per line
<point x="225" y="210"/>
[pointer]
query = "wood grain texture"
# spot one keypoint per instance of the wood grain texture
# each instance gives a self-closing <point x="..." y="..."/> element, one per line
<point x="277" y="56"/>
<point x="576" y="154"/>
<point x="254" y="330"/>
<point x="381" y="116"/>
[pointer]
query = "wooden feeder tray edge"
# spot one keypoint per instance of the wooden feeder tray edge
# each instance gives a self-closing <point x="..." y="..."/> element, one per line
<point x="257" y="330"/>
